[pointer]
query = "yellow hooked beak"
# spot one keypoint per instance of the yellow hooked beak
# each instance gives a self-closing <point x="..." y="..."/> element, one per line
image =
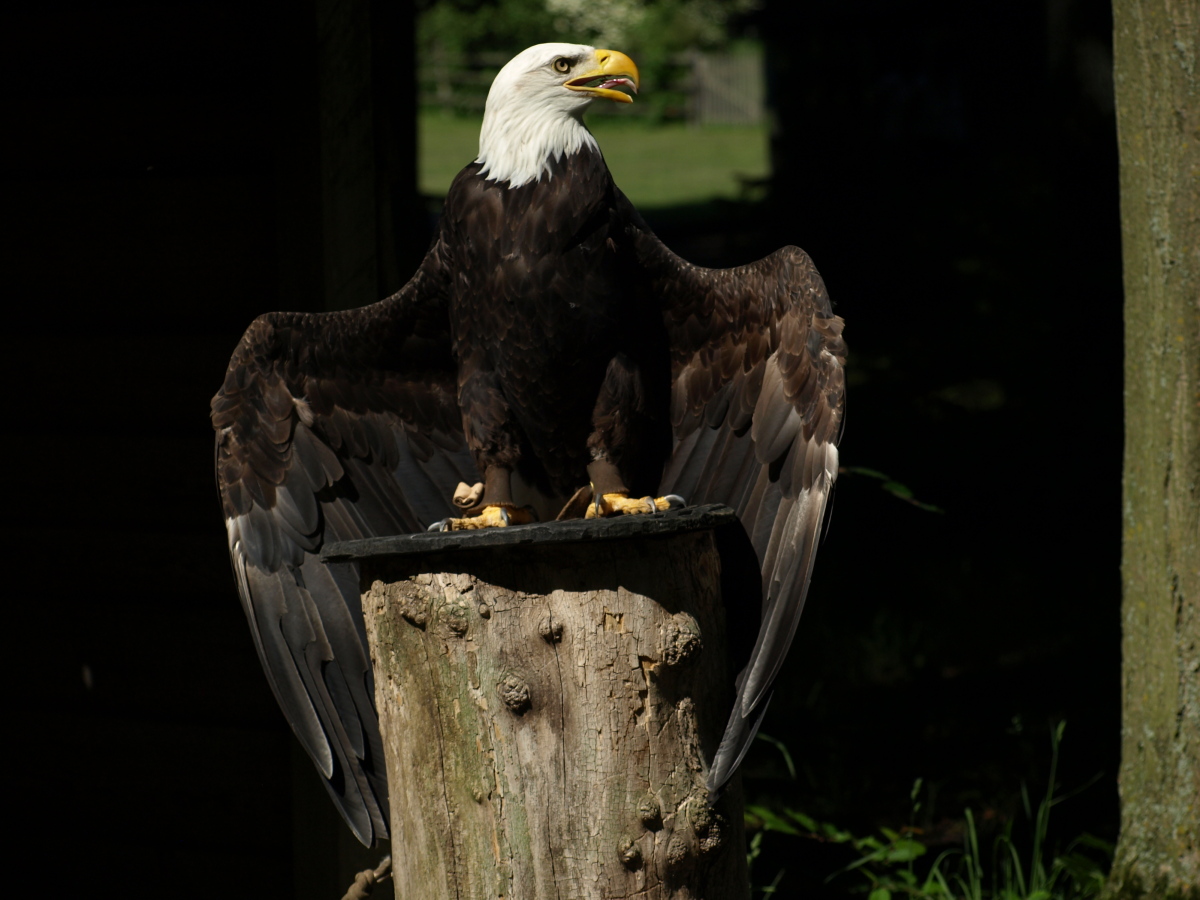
<point x="615" y="77"/>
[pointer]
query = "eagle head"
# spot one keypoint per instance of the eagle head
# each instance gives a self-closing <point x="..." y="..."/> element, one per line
<point x="534" y="111"/>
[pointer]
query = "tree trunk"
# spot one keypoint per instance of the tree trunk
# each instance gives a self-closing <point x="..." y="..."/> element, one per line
<point x="550" y="697"/>
<point x="1158" y="122"/>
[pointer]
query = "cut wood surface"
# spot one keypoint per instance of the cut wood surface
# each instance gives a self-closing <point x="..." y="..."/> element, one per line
<point x="548" y="709"/>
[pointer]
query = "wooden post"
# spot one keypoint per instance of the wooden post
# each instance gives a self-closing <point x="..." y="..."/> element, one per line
<point x="550" y="696"/>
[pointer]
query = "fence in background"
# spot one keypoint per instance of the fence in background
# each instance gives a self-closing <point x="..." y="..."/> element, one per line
<point x="703" y="88"/>
<point x="727" y="89"/>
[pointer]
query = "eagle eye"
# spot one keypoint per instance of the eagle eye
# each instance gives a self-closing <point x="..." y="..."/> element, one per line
<point x="562" y="64"/>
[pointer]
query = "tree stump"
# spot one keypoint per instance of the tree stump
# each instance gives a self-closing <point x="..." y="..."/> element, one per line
<point x="550" y="696"/>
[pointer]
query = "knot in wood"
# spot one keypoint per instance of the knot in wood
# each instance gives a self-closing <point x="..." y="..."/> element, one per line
<point x="677" y="851"/>
<point x="452" y="612"/>
<point x="680" y="640"/>
<point x="713" y="835"/>
<point x="514" y="693"/>
<point x="700" y="816"/>
<point x="411" y="599"/>
<point x="550" y="630"/>
<point x="650" y="812"/>
<point x="630" y="853"/>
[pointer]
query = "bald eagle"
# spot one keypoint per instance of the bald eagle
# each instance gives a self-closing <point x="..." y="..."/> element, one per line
<point x="548" y="345"/>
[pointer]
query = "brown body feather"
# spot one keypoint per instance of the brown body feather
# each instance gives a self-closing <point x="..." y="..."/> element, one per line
<point x="555" y="329"/>
<point x="546" y="328"/>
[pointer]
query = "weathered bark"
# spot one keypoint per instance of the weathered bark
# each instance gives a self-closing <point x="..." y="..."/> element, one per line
<point x="1158" y="853"/>
<point x="548" y="710"/>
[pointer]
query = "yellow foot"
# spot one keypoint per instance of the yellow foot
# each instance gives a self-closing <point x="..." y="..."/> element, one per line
<point x="494" y="515"/>
<point x="621" y="505"/>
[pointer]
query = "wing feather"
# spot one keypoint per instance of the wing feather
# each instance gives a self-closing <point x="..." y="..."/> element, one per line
<point x="331" y="427"/>
<point x="757" y="403"/>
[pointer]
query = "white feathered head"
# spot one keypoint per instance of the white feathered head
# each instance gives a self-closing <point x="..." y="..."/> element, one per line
<point x="535" y="107"/>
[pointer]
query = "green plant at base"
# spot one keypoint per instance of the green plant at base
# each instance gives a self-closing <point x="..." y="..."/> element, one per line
<point x="888" y="861"/>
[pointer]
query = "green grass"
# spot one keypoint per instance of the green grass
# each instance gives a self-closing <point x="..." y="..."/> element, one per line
<point x="655" y="165"/>
<point x="886" y="866"/>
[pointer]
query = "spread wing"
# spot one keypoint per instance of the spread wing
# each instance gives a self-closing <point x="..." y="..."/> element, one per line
<point x="334" y="426"/>
<point x="757" y="404"/>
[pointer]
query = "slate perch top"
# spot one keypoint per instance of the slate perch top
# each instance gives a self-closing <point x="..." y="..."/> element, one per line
<point x="676" y="521"/>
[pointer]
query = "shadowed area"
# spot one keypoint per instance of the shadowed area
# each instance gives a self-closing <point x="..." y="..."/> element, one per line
<point x="951" y="171"/>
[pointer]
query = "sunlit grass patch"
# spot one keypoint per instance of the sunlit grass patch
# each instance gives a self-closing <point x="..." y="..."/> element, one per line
<point x="655" y="165"/>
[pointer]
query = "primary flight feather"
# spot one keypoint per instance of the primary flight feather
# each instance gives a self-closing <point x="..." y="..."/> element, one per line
<point x="548" y="342"/>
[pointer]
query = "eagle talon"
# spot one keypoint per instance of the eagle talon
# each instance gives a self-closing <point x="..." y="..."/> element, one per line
<point x="618" y="504"/>
<point x="494" y="515"/>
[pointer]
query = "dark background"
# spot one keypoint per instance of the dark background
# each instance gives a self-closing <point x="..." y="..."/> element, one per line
<point x="175" y="169"/>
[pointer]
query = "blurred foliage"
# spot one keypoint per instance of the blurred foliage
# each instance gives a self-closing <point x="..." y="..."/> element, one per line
<point x="482" y="26"/>
<point x="652" y="32"/>
<point x="653" y="28"/>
